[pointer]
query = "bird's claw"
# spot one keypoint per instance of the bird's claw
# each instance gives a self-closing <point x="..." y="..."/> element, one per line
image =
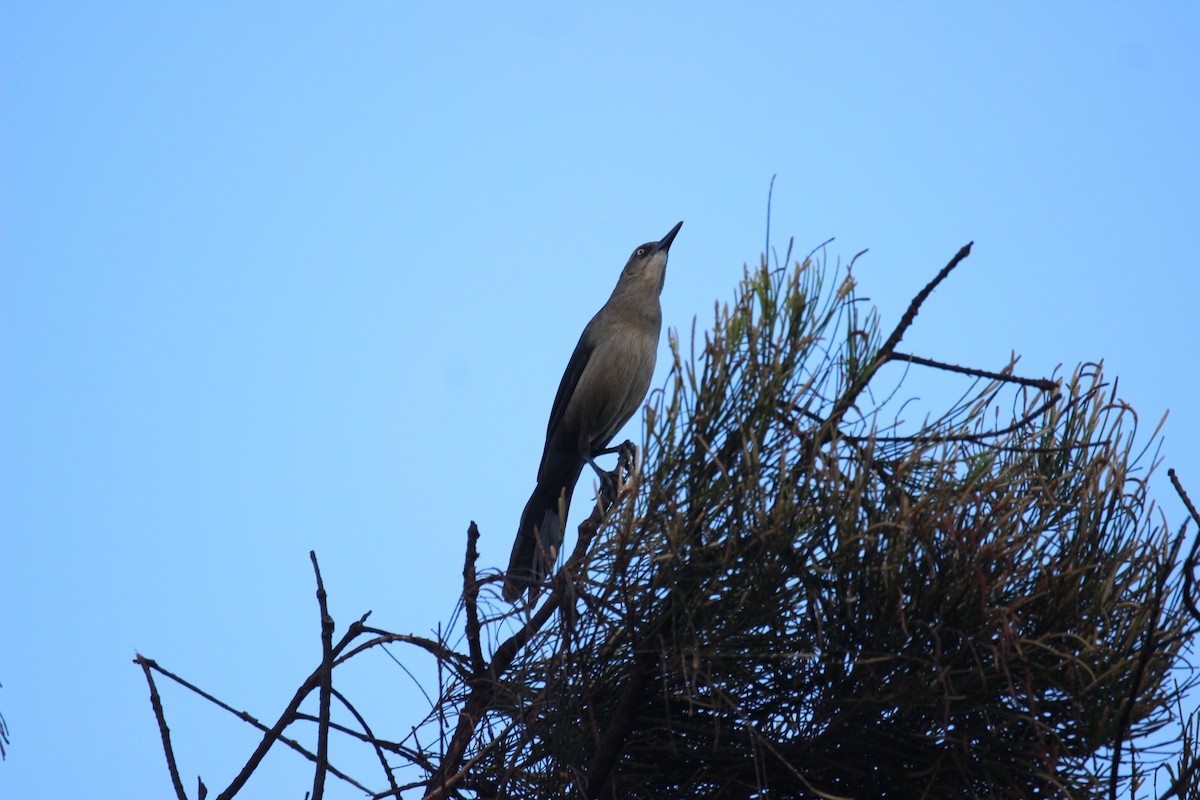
<point x="608" y="488"/>
<point x="627" y="455"/>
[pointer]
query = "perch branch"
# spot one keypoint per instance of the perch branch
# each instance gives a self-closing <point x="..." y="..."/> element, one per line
<point x="436" y="649"/>
<point x="914" y="307"/>
<point x="483" y="687"/>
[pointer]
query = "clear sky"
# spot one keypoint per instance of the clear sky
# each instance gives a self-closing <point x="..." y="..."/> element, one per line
<point x="281" y="276"/>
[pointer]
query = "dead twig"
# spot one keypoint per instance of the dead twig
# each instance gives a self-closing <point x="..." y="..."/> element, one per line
<point x="471" y="600"/>
<point x="289" y="715"/>
<point x="1193" y="559"/>
<point x="1043" y="384"/>
<point x="163" y="731"/>
<point x="325" y="681"/>
<point x="245" y="717"/>
<point x="859" y="382"/>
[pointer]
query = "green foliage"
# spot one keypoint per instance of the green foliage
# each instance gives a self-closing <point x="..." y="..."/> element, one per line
<point x="803" y="594"/>
<point x="810" y="597"/>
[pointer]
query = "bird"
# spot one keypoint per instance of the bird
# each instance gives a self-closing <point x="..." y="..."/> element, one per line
<point x="605" y="382"/>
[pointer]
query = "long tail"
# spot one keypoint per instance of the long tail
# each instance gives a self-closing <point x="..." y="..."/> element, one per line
<point x="539" y="537"/>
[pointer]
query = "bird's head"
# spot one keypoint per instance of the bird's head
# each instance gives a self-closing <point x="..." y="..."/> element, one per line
<point x="647" y="265"/>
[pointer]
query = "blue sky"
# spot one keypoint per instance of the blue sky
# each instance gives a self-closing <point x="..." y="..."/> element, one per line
<point x="280" y="277"/>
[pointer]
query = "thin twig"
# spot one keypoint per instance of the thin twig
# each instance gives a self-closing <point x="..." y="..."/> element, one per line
<point x="970" y="438"/>
<point x="326" y="684"/>
<point x="1043" y="384"/>
<point x="383" y="744"/>
<point x="471" y="598"/>
<point x="163" y="730"/>
<point x="859" y="383"/>
<point x="437" y="650"/>
<point x="248" y="718"/>
<point x="370" y="736"/>
<point x="915" y="306"/>
<point x="1190" y="563"/>
<point x="288" y="716"/>
<point x="441" y="710"/>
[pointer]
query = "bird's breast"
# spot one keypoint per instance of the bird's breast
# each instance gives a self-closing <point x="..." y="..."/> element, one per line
<point x="613" y="383"/>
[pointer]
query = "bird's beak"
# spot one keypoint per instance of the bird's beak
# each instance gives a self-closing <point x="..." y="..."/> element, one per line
<point x="665" y="242"/>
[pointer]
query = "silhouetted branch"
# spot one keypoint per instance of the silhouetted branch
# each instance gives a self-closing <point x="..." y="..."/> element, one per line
<point x="889" y="346"/>
<point x="483" y="686"/>
<point x="1193" y="559"/>
<point x="617" y="731"/>
<point x="859" y="382"/>
<point x="163" y="731"/>
<point x="1037" y="383"/>
<point x="934" y="437"/>
<point x="471" y="600"/>
<point x="369" y="737"/>
<point x="242" y="715"/>
<point x="1148" y="650"/>
<point x="289" y="715"/>
<point x="325" y="681"/>
<point x="438" y="650"/>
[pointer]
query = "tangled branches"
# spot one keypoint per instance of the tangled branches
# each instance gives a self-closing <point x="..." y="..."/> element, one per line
<point x="805" y="594"/>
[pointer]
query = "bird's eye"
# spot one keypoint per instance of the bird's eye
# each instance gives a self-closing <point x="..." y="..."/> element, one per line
<point x="641" y="251"/>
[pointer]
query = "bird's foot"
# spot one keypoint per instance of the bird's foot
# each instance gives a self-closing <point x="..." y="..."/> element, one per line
<point x="609" y="482"/>
<point x="627" y="456"/>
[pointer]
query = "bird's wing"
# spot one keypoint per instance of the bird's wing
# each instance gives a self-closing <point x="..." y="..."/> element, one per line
<point x="566" y="387"/>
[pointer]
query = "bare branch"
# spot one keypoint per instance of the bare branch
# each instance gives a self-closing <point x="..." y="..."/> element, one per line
<point x="325" y="681"/>
<point x="163" y="731"/>
<point x="1043" y="384"/>
<point x="860" y="381"/>
<point x="289" y="715"/>
<point x="367" y="736"/>
<point x="470" y="600"/>
<point x="910" y="315"/>
<point x="1193" y="559"/>
<point x="245" y="717"/>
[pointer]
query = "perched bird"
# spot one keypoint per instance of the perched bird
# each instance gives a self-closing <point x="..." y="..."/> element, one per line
<point x="604" y="384"/>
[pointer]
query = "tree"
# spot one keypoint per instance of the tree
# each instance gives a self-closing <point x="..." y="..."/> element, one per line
<point x="802" y="594"/>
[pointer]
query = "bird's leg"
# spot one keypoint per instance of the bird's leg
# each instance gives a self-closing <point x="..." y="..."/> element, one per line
<point x="608" y="484"/>
<point x="627" y="455"/>
<point x="610" y="480"/>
